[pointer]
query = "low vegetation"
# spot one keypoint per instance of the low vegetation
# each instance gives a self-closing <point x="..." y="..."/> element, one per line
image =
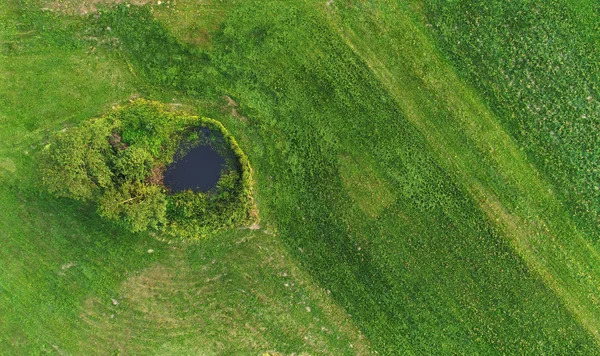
<point x="536" y="64"/>
<point x="401" y="212"/>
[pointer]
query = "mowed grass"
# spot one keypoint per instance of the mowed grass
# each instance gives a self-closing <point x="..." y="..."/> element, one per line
<point x="62" y="266"/>
<point x="471" y="145"/>
<point x="537" y="64"/>
<point x="378" y="202"/>
<point x="326" y="102"/>
<point x="311" y="105"/>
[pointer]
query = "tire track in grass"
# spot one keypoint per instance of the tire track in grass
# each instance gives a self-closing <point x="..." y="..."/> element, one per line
<point x="470" y="143"/>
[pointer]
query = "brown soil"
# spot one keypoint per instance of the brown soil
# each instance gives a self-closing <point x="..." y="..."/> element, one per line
<point x="157" y="176"/>
<point x="115" y="141"/>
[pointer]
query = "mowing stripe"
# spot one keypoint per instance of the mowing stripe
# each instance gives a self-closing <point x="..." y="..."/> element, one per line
<point x="491" y="166"/>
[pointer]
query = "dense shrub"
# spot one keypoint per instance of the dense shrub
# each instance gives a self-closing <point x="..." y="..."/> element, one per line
<point x="112" y="160"/>
<point x="134" y="163"/>
<point x="76" y="163"/>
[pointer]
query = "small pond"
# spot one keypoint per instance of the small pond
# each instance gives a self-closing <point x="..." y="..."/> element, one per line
<point x="198" y="170"/>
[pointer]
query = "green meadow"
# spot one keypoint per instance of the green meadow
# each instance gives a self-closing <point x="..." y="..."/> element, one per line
<point x="425" y="174"/>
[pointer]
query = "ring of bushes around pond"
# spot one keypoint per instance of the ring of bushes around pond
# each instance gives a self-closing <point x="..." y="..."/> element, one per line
<point x="119" y="161"/>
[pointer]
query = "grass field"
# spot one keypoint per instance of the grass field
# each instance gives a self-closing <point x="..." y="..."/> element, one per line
<point x="403" y="209"/>
<point x="537" y="67"/>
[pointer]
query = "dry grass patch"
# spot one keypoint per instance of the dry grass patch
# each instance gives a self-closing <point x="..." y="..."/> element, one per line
<point x="7" y="166"/>
<point x="216" y="304"/>
<point x="194" y="21"/>
<point x="84" y="7"/>
<point x="364" y="185"/>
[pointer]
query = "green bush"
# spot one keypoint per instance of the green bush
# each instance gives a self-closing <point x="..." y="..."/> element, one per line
<point x="76" y="162"/>
<point x="137" y="205"/>
<point x="134" y="163"/>
<point x="112" y="160"/>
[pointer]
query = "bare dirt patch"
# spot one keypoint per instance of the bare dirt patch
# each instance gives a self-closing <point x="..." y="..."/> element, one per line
<point x="157" y="176"/>
<point x="254" y="226"/>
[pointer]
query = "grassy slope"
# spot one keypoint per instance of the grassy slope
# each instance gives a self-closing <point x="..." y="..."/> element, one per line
<point x="61" y="265"/>
<point x="331" y="112"/>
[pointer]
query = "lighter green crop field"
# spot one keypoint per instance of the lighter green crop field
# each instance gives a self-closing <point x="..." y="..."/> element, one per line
<point x="426" y="177"/>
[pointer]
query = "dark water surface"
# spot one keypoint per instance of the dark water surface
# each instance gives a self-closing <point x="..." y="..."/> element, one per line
<point x="199" y="170"/>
